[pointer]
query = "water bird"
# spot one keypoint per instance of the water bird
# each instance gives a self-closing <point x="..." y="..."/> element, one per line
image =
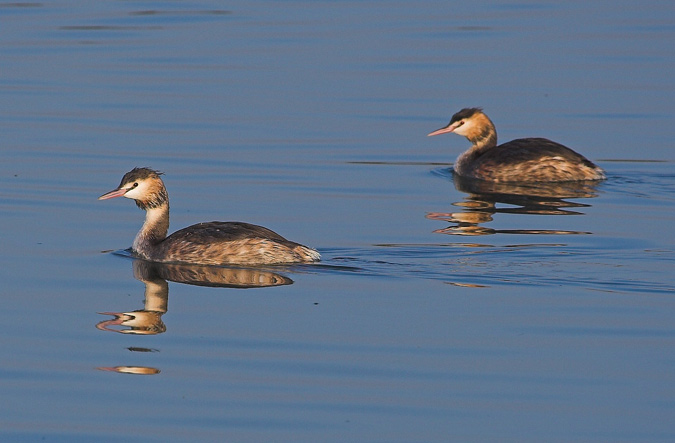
<point x="520" y="160"/>
<point x="210" y="243"/>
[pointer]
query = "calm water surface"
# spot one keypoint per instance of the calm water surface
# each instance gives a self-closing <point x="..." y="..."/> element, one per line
<point x="442" y="311"/>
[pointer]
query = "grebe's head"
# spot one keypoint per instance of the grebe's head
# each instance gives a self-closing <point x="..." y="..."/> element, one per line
<point x="142" y="185"/>
<point x="469" y="122"/>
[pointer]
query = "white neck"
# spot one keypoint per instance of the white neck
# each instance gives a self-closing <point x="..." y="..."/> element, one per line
<point x="153" y="231"/>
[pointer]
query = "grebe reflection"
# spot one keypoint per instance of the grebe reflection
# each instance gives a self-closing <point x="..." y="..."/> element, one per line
<point x="485" y="199"/>
<point x="148" y="321"/>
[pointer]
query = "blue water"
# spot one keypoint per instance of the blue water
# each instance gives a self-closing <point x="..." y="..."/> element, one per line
<point x="440" y="312"/>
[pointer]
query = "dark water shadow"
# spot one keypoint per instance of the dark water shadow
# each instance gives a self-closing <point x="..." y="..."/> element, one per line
<point x="155" y="277"/>
<point x="484" y="200"/>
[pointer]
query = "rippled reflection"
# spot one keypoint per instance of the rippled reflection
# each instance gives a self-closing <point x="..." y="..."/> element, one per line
<point x="135" y="370"/>
<point x="214" y="276"/>
<point x="148" y="321"/>
<point x="155" y="276"/>
<point x="483" y="198"/>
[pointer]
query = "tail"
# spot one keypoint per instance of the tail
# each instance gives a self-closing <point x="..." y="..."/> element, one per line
<point x="307" y="254"/>
<point x="600" y="174"/>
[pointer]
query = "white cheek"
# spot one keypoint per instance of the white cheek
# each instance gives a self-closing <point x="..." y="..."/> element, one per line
<point x="133" y="194"/>
<point x="136" y="192"/>
<point x="463" y="129"/>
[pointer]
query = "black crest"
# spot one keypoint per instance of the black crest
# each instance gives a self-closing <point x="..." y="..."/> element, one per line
<point x="139" y="174"/>
<point x="465" y="113"/>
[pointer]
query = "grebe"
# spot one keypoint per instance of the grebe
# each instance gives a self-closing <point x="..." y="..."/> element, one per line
<point x="521" y="160"/>
<point x="212" y="243"/>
